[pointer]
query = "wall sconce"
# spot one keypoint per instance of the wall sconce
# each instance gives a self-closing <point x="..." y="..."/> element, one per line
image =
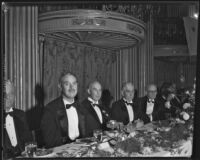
<point x="196" y="15"/>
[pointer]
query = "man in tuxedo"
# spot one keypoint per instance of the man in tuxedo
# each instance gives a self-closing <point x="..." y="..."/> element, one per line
<point x="62" y="121"/>
<point x="150" y="106"/>
<point x="95" y="115"/>
<point x="15" y="131"/>
<point x="167" y="98"/>
<point x="124" y="110"/>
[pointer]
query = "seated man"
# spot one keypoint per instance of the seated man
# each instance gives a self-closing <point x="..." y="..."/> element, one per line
<point x="171" y="105"/>
<point x="15" y="132"/>
<point x="96" y="117"/>
<point x="124" y="110"/>
<point x="62" y="121"/>
<point x="149" y="105"/>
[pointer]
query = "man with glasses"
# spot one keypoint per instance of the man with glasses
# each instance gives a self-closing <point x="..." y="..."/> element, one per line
<point x="124" y="110"/>
<point x="149" y="105"/>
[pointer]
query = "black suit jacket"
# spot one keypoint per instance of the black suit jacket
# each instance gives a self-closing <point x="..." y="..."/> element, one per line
<point x="119" y="112"/>
<point x="22" y="133"/>
<point x="172" y="111"/>
<point x="157" y="114"/>
<point x="54" y="124"/>
<point x="91" y="118"/>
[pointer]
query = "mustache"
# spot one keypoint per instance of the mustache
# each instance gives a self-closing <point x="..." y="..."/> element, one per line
<point x="71" y="90"/>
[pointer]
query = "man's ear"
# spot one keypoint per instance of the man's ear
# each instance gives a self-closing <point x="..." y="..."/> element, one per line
<point x="59" y="86"/>
<point x="88" y="91"/>
<point x="122" y="93"/>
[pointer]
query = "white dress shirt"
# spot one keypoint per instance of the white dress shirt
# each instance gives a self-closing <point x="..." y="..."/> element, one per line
<point x="10" y="128"/>
<point x="97" y="109"/>
<point x="149" y="110"/>
<point x="72" y="116"/>
<point x="130" y="111"/>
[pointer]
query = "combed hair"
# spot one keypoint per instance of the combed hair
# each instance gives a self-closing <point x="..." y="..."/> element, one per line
<point x="64" y="74"/>
<point x="92" y="82"/>
<point x="124" y="84"/>
<point x="167" y="89"/>
<point x="150" y="84"/>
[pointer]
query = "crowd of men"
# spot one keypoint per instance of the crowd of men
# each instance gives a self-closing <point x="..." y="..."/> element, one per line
<point x="65" y="119"/>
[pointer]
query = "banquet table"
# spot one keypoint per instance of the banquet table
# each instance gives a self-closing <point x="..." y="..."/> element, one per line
<point x="76" y="150"/>
<point x="90" y="147"/>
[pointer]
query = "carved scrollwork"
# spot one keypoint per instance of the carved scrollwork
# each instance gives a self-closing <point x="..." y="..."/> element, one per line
<point x="134" y="28"/>
<point x="88" y="21"/>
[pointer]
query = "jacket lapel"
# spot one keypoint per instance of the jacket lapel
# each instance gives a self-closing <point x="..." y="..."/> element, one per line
<point x="18" y="122"/>
<point x="62" y="117"/>
<point x="144" y="104"/>
<point x="124" y="110"/>
<point x="93" y="112"/>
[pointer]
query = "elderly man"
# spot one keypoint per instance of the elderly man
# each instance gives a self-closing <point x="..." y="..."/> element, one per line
<point x="124" y="110"/>
<point x="96" y="117"/>
<point x="15" y="131"/>
<point x="150" y="106"/>
<point x="62" y="121"/>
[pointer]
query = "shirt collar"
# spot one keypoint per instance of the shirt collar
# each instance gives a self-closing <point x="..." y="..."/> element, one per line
<point x="127" y="101"/>
<point x="67" y="102"/>
<point x="91" y="100"/>
<point x="10" y="110"/>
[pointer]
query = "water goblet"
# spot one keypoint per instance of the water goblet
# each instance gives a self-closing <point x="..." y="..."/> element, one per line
<point x="97" y="133"/>
<point x="30" y="148"/>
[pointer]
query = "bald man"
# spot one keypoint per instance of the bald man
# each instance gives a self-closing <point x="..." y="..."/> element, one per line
<point x="95" y="115"/>
<point x="16" y="131"/>
<point x="150" y="106"/>
<point x="124" y="110"/>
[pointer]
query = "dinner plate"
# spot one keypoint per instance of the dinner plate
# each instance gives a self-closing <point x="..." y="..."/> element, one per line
<point x="85" y="140"/>
<point x="42" y="153"/>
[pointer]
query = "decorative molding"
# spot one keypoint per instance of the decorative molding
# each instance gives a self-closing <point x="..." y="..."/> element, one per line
<point x="134" y="28"/>
<point x="106" y="30"/>
<point x="170" y="50"/>
<point x="88" y="21"/>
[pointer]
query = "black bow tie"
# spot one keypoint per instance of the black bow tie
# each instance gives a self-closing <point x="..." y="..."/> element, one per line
<point x="95" y="104"/>
<point x="127" y="103"/>
<point x="67" y="106"/>
<point x="151" y="101"/>
<point x="9" y="113"/>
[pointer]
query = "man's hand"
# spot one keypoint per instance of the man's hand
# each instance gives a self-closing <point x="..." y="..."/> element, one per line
<point x="167" y="104"/>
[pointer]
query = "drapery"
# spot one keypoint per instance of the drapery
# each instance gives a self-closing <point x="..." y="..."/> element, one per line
<point x="21" y="52"/>
<point x="87" y="63"/>
<point x="135" y="64"/>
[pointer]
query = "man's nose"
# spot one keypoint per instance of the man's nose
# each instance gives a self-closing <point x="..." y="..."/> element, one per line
<point x="71" y="86"/>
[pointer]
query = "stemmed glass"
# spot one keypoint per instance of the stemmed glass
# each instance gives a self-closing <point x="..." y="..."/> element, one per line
<point x="97" y="133"/>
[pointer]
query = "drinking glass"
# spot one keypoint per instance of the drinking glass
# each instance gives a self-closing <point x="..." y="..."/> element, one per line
<point x="30" y="148"/>
<point x="97" y="133"/>
<point x="120" y="126"/>
<point x="113" y="124"/>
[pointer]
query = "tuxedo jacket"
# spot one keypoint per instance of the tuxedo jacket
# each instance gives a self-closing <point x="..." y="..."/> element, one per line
<point x="91" y="118"/>
<point x="172" y="111"/>
<point x="23" y="135"/>
<point x="158" y="112"/>
<point x="119" y="112"/>
<point x="54" y="123"/>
